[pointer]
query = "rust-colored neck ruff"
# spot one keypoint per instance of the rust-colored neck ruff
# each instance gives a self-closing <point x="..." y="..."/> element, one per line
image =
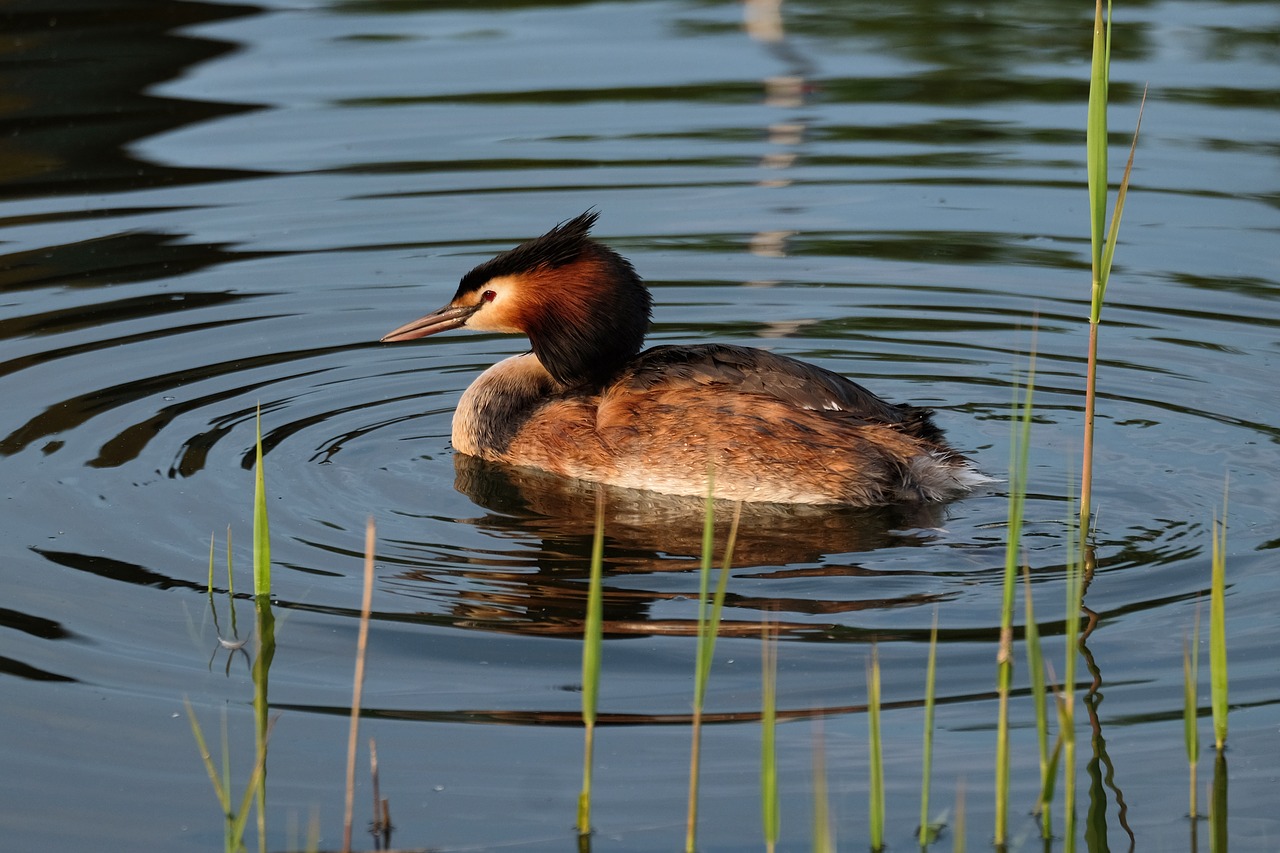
<point x="587" y="319"/>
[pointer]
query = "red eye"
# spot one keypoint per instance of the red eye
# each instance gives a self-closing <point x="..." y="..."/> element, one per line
<point x="488" y="296"/>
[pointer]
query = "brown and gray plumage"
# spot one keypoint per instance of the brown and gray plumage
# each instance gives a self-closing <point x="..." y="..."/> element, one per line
<point x="587" y="403"/>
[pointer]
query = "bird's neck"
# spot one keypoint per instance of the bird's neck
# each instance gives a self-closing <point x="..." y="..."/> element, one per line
<point x="583" y="358"/>
<point x="586" y="319"/>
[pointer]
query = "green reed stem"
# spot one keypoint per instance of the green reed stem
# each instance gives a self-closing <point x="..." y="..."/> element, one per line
<point x="770" y="811"/>
<point x="1103" y="243"/>
<point x="231" y="581"/>
<point x="1190" y="707"/>
<point x="261" y="531"/>
<point x="957" y="832"/>
<point x="1096" y="148"/>
<point x="927" y="831"/>
<point x="1019" y="453"/>
<point x="212" y="538"/>
<point x="593" y="641"/>
<point x="709" y="609"/>
<point x="875" y="754"/>
<point x="1218" y="629"/>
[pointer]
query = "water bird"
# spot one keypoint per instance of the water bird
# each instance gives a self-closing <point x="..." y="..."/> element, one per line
<point x="587" y="403"/>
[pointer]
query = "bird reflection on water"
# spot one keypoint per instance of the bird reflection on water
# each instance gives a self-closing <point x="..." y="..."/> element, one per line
<point x="538" y="585"/>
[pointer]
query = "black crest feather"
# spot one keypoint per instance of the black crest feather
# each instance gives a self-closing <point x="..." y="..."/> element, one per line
<point x="561" y="245"/>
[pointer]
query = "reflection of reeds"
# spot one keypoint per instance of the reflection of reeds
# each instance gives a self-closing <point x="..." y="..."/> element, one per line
<point x="1218" y="805"/>
<point x="1067" y="692"/>
<point x="236" y="818"/>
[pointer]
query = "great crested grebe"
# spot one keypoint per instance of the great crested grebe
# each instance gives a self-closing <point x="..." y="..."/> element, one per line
<point x="587" y="403"/>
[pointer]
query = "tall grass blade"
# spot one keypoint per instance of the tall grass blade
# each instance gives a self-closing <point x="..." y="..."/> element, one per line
<point x="261" y="533"/>
<point x="1096" y="149"/>
<point x="593" y="640"/>
<point x="1019" y="452"/>
<point x="1122" y="193"/>
<point x="1218" y="630"/>
<point x="231" y="580"/>
<point x="357" y="683"/>
<point x="209" y="588"/>
<point x="927" y="832"/>
<point x="875" y="759"/>
<point x="770" y="811"/>
<point x="957" y="837"/>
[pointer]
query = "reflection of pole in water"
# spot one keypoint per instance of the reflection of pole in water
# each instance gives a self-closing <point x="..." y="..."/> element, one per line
<point x="763" y="22"/>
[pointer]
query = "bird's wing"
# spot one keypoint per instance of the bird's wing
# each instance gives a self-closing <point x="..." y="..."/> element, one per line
<point x="759" y="372"/>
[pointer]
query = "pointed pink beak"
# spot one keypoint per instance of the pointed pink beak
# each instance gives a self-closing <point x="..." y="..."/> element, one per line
<point x="448" y="317"/>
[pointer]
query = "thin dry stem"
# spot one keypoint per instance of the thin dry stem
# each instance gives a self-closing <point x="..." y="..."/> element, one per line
<point x="357" y="687"/>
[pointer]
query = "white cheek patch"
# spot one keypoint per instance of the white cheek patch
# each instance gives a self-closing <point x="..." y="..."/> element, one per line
<point x="496" y="315"/>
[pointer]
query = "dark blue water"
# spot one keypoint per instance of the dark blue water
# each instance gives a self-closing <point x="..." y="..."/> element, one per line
<point x="206" y="208"/>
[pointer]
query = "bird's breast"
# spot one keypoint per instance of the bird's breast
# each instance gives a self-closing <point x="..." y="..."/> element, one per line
<point x="499" y="404"/>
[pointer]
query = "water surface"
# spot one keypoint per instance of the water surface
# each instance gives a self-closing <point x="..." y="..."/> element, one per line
<point x="208" y="208"/>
